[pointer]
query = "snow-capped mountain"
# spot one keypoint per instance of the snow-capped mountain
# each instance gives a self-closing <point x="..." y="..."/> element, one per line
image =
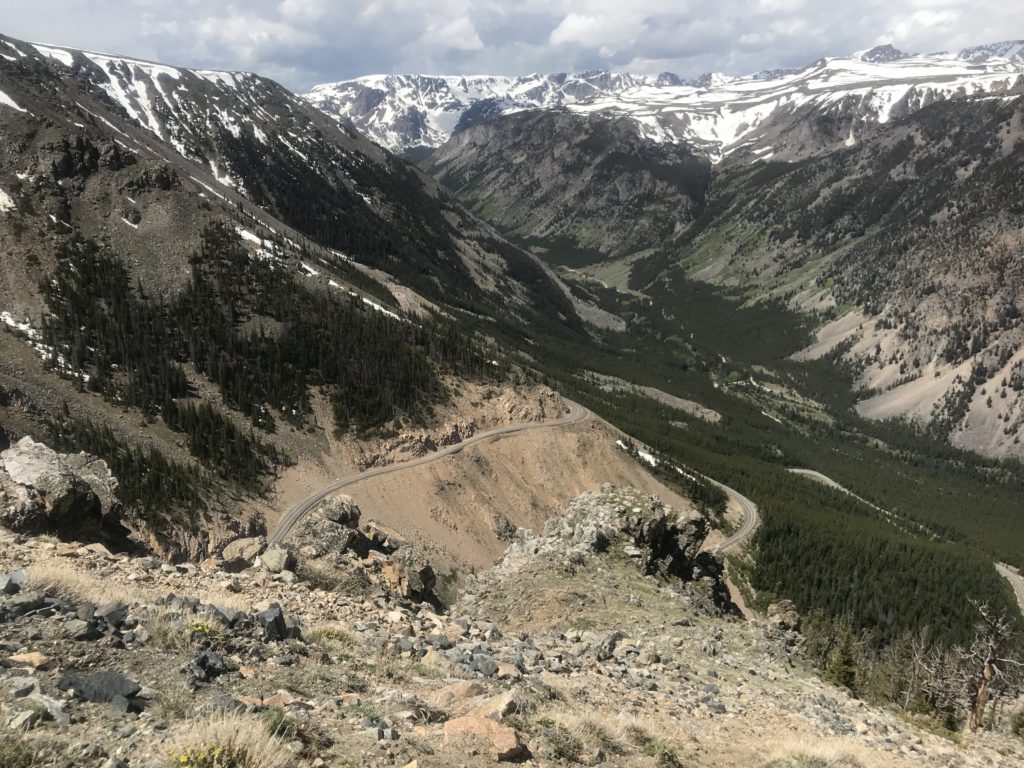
<point x="717" y="113"/>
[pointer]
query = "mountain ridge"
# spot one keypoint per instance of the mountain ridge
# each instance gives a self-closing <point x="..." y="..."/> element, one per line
<point x="713" y="112"/>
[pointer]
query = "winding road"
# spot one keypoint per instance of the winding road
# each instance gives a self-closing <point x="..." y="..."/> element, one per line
<point x="577" y="413"/>
<point x="750" y="518"/>
<point x="1013" y="576"/>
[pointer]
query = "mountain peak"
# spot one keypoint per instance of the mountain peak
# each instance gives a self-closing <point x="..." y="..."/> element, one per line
<point x="881" y="54"/>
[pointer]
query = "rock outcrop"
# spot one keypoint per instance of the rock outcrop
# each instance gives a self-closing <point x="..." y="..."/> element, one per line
<point x="70" y="495"/>
<point x="662" y="542"/>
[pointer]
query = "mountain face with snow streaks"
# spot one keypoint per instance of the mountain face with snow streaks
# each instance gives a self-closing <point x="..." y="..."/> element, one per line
<point x="715" y="113"/>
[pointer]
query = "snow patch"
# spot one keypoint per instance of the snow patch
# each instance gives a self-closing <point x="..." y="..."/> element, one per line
<point x="6" y="202"/>
<point x="64" y="57"/>
<point x="7" y="101"/>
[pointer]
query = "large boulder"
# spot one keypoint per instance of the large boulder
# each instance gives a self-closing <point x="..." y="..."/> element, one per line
<point x="73" y="495"/>
<point x="240" y="553"/>
<point x="276" y="559"/>
<point x="783" y="615"/>
<point x="341" y="509"/>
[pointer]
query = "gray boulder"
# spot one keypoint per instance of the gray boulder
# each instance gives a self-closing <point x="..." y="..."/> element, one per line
<point x="341" y="509"/>
<point x="277" y="559"/>
<point x="240" y="553"/>
<point x="41" y="489"/>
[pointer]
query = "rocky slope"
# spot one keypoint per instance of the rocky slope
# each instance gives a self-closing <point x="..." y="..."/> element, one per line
<point x="717" y="113"/>
<point x="238" y="138"/>
<point x="109" y="659"/>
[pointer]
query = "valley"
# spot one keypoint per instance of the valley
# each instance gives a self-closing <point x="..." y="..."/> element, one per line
<point x="669" y="409"/>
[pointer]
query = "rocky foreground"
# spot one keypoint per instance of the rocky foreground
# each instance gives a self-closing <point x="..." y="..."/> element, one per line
<point x="605" y="639"/>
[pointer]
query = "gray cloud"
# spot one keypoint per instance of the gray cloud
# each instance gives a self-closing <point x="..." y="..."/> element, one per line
<point x="302" y="42"/>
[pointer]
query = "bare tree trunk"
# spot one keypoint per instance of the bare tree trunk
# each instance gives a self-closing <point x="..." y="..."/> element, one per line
<point x="977" y="717"/>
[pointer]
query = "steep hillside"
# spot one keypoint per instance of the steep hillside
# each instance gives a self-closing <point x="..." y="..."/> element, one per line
<point x="909" y="241"/>
<point x="597" y="641"/>
<point x="326" y="183"/>
<point x="582" y="189"/>
<point x="720" y="114"/>
<point x="200" y="271"/>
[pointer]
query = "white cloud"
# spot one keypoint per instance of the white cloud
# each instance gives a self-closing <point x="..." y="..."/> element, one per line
<point x="308" y="41"/>
<point x="609" y="31"/>
<point x="457" y="34"/>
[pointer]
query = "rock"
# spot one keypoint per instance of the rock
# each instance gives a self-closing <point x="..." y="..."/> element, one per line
<point x="499" y="707"/>
<point x="120" y="705"/>
<point x="240" y="553"/>
<point x="112" y="613"/>
<point x="23" y="721"/>
<point x="503" y="741"/>
<point x="21" y="687"/>
<point x="484" y="664"/>
<point x="409" y="575"/>
<point x="33" y="659"/>
<point x="276" y="559"/>
<point x="50" y="708"/>
<point x="275" y="625"/>
<point x="508" y="671"/>
<point x="80" y="629"/>
<point x="71" y="494"/>
<point x="605" y="648"/>
<point x="99" y="686"/>
<point x="25" y="601"/>
<point x="460" y="691"/>
<point x="783" y="615"/>
<point x="11" y="583"/>
<point x="341" y="509"/>
<point x="205" y="667"/>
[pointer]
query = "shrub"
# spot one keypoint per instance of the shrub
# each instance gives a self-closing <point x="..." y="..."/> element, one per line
<point x="230" y="741"/>
<point x="14" y="753"/>
<point x="664" y="756"/>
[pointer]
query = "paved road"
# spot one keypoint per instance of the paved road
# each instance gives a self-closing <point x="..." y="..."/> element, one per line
<point x="1010" y="573"/>
<point x="1013" y="576"/>
<point x="577" y="413"/>
<point x="749" y="517"/>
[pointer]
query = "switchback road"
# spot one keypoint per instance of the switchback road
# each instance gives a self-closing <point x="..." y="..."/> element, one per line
<point x="577" y="413"/>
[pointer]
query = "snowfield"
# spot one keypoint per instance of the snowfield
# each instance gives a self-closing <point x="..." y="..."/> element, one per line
<point x="716" y="112"/>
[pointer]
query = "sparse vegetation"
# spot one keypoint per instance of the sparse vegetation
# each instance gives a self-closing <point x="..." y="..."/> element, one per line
<point x="15" y="753"/>
<point x="230" y="741"/>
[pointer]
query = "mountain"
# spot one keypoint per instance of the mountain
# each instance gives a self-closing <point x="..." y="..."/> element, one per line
<point x="583" y="188"/>
<point x="329" y="184"/>
<point x="877" y="195"/>
<point x="716" y="114"/>
<point x="203" y="274"/>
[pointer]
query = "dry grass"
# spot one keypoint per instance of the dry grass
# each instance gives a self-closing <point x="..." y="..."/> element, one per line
<point x="169" y="630"/>
<point x="60" y="579"/>
<point x="244" y="742"/>
<point x="823" y="753"/>
<point x="594" y="733"/>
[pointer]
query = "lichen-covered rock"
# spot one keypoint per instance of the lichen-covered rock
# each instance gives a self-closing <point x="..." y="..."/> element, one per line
<point x="73" y="495"/>
<point x="341" y="509"/>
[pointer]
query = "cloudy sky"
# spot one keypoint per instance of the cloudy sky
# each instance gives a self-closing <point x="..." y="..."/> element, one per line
<point x="303" y="42"/>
